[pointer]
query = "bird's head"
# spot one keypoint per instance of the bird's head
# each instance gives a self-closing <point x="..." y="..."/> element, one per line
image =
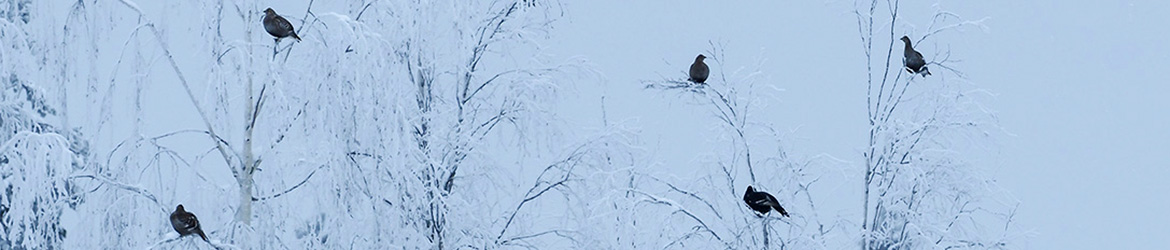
<point x="269" y="11"/>
<point x="179" y="208"/>
<point x="750" y="189"/>
<point x="700" y="58"/>
<point x="906" y="39"/>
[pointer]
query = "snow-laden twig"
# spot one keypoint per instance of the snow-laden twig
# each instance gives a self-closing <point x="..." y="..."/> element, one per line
<point x="942" y="15"/>
<point x="13" y="141"/>
<point x="132" y="188"/>
<point x="541" y="186"/>
<point x="290" y="189"/>
<point x="688" y="193"/>
<point x="174" y="237"/>
<point x="653" y="199"/>
<point x="562" y="233"/>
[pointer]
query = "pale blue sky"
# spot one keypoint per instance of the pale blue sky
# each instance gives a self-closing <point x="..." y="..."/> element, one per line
<point x="1077" y="87"/>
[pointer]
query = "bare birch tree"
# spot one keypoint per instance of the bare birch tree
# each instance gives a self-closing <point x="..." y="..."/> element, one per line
<point x="919" y="193"/>
<point x="713" y="204"/>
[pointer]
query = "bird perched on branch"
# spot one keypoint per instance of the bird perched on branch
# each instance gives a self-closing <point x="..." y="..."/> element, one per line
<point x="762" y="202"/>
<point x="913" y="60"/>
<point x="699" y="70"/>
<point x="185" y="223"/>
<point x="277" y="26"/>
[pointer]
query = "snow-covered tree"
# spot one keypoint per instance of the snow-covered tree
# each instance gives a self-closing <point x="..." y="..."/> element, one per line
<point x="36" y="160"/>
<point x="919" y="191"/>
<point x="708" y="211"/>
<point x="386" y="126"/>
<point x="38" y="152"/>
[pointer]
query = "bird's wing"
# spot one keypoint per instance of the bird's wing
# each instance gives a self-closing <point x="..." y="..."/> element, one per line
<point x="763" y="200"/>
<point x="189" y="221"/>
<point x="772" y="199"/>
<point x="756" y="200"/>
<point x="284" y="24"/>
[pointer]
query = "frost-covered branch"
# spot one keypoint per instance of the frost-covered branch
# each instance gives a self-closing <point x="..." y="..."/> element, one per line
<point x="541" y="185"/>
<point x="561" y="233"/>
<point x="530" y="73"/>
<point x="282" y="132"/>
<point x="676" y="209"/>
<point x="290" y="189"/>
<point x="688" y="193"/>
<point x="223" y="150"/>
<point x="729" y="106"/>
<point x="132" y="188"/>
<point x="174" y="237"/>
<point x="942" y="16"/>
<point x="256" y="111"/>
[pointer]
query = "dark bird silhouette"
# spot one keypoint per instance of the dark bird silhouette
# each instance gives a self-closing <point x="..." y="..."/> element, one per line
<point x="277" y="26"/>
<point x="913" y="60"/>
<point x="185" y="223"/>
<point x="762" y="202"/>
<point x="699" y="70"/>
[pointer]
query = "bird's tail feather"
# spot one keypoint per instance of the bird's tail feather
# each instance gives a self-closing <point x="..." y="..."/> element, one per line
<point x="780" y="209"/>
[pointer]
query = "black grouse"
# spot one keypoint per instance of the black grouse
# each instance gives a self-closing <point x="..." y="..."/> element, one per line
<point x="762" y="202"/>
<point x="913" y="60"/>
<point x="185" y="223"/>
<point x="699" y="70"/>
<point x="277" y="26"/>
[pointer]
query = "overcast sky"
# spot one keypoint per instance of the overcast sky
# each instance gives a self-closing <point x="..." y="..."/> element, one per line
<point x="1076" y="87"/>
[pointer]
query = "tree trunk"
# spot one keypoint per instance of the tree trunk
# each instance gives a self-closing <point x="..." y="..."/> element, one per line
<point x="248" y="164"/>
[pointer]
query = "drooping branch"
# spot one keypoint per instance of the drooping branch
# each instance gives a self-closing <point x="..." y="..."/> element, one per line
<point x="677" y="209"/>
<point x="561" y="233"/>
<point x="290" y="189"/>
<point x="133" y="189"/>
<point x="223" y="150"/>
<point x="688" y="193"/>
<point x="533" y="72"/>
<point x="541" y="186"/>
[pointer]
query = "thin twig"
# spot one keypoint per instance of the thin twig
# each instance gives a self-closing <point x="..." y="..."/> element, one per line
<point x="290" y="189"/>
